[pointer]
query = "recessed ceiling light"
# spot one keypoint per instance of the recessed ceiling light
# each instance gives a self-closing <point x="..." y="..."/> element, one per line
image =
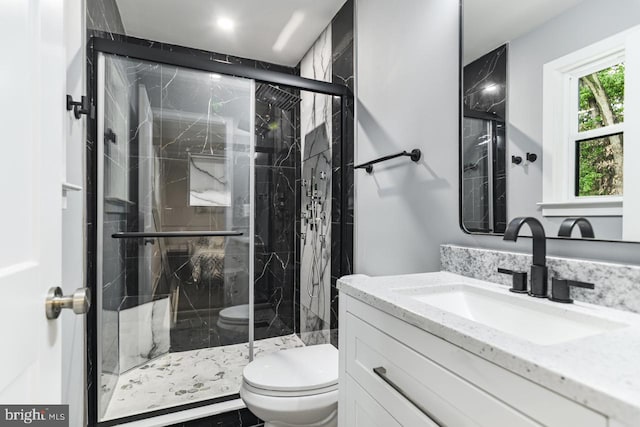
<point x="225" y="23"/>
<point x="288" y="30"/>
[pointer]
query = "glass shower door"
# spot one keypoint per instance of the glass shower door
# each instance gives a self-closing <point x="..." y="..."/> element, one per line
<point x="175" y="156"/>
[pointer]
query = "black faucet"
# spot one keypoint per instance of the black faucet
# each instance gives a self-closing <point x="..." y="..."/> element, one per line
<point x="586" y="230"/>
<point x="560" y="289"/>
<point x="539" y="270"/>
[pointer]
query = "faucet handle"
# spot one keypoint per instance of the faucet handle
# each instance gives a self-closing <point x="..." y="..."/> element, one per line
<point x="560" y="289"/>
<point x="519" y="281"/>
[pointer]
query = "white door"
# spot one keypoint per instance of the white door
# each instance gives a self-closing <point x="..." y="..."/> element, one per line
<point x="32" y="114"/>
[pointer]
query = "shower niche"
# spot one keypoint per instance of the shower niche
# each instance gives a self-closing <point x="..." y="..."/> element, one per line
<point x="215" y="210"/>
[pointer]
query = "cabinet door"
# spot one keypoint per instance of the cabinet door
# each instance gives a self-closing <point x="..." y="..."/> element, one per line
<point x="417" y="391"/>
<point x="457" y="387"/>
<point x="362" y="410"/>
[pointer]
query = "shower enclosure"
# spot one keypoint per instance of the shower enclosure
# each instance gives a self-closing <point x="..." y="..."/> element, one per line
<point x="189" y="216"/>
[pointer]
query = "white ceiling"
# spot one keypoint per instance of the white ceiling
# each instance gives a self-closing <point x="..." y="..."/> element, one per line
<point x="258" y="24"/>
<point x="490" y="23"/>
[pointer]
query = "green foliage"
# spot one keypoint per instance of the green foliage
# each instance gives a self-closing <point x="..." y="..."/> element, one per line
<point x="598" y="171"/>
<point x="612" y="81"/>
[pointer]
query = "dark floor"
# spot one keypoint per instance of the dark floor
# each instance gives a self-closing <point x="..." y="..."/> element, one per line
<point x="241" y="418"/>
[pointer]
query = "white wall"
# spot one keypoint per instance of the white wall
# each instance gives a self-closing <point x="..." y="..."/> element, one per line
<point x="73" y="342"/>
<point x="407" y="90"/>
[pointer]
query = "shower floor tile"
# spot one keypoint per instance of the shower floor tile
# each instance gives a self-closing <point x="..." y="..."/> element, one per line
<point x="188" y="376"/>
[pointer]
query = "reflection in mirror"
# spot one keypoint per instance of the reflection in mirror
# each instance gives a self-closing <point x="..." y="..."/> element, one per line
<point x="548" y="109"/>
<point x="208" y="181"/>
<point x="483" y="143"/>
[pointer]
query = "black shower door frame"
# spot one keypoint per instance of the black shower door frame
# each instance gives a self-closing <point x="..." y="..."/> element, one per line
<point x="99" y="45"/>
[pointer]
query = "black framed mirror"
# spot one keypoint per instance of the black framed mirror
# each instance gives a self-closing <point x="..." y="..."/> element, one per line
<point x="549" y="109"/>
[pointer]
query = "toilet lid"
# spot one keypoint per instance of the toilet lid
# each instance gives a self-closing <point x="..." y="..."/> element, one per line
<point x="237" y="314"/>
<point x="296" y="369"/>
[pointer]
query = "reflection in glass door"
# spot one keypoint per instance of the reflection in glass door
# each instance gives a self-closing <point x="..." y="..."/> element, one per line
<point x="175" y="220"/>
<point x="483" y="175"/>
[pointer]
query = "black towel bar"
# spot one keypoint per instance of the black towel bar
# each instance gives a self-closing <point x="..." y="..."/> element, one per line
<point x="141" y="235"/>
<point x="415" y="155"/>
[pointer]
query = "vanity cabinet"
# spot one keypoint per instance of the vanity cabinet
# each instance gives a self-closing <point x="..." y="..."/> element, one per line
<point x="395" y="374"/>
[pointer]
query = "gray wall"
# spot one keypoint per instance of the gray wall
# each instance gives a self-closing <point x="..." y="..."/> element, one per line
<point x="574" y="29"/>
<point x="407" y="86"/>
<point x="407" y="90"/>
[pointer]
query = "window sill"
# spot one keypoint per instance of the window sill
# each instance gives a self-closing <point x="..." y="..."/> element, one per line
<point x="596" y="206"/>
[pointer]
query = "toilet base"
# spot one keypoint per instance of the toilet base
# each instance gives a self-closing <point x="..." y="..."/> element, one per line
<point x="331" y="421"/>
<point x="319" y="410"/>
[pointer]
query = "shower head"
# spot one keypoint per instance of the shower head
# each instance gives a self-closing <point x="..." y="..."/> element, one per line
<point x="276" y="96"/>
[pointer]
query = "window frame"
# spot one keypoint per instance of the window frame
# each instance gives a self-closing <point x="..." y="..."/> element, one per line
<point x="560" y="129"/>
<point x="575" y="135"/>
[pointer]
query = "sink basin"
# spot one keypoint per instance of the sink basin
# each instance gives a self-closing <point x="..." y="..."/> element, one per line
<point x="536" y="320"/>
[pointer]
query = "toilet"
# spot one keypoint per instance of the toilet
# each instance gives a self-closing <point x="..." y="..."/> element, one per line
<point x="294" y="387"/>
<point x="233" y="324"/>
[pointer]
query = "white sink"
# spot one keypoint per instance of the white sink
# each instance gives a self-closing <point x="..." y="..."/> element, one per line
<point x="537" y="320"/>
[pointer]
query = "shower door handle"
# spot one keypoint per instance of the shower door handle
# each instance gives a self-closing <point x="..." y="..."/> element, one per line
<point x="79" y="301"/>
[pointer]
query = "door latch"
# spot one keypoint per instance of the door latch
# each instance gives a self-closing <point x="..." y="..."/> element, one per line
<point x="79" y="301"/>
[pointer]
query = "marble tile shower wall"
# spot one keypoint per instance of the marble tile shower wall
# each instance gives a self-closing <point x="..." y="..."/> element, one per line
<point x="321" y="264"/>
<point x="277" y="147"/>
<point x="616" y="285"/>
<point x="315" y="200"/>
<point x="342" y="71"/>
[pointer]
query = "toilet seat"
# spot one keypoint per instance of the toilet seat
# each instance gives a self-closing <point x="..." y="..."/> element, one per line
<point x="235" y="315"/>
<point x="288" y="393"/>
<point x="300" y="371"/>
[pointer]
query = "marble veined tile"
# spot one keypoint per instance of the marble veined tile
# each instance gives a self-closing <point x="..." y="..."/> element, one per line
<point x="189" y="376"/>
<point x="144" y="333"/>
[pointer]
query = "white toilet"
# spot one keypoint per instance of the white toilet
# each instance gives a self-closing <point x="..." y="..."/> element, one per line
<point x="233" y="324"/>
<point x="294" y="388"/>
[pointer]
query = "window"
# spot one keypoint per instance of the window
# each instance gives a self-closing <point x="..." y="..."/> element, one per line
<point x="584" y="129"/>
<point x="599" y="166"/>
<point x="599" y="137"/>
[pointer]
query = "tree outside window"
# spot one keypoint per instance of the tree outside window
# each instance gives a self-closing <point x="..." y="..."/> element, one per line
<point x="600" y="158"/>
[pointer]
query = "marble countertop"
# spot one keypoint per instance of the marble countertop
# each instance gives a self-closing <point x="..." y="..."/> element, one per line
<point x="600" y="371"/>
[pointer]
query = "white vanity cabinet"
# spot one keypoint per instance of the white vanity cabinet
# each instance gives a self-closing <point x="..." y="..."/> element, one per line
<point x="395" y="374"/>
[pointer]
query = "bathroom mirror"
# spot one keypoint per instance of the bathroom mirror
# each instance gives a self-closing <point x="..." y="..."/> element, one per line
<point x="550" y="102"/>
